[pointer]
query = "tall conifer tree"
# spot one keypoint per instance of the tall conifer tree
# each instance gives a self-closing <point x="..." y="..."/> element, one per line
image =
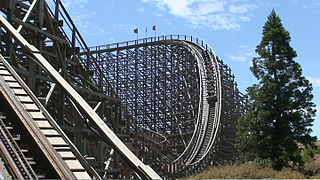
<point x="281" y="110"/>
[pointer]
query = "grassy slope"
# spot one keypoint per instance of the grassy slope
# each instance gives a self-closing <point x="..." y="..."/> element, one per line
<point x="252" y="170"/>
<point x="247" y="171"/>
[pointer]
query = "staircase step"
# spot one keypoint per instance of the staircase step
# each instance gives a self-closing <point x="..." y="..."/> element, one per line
<point x="24" y="151"/>
<point x="37" y="115"/>
<point x="9" y="79"/>
<point x="19" y="91"/>
<point x="31" y="107"/>
<point x="14" y="84"/>
<point x="43" y="124"/>
<point x="74" y="164"/>
<point x="25" y="99"/>
<point x="40" y="176"/>
<point x="31" y="160"/>
<point x="66" y="155"/>
<point x="57" y="141"/>
<point x="4" y="72"/>
<point x="50" y="132"/>
<point x="82" y="175"/>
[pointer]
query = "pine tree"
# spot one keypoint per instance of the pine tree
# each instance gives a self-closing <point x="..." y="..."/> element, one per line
<point x="281" y="110"/>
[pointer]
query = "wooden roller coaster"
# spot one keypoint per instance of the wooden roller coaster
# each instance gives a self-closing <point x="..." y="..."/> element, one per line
<point x="153" y="108"/>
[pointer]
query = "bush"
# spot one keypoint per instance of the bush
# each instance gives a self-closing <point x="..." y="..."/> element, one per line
<point x="309" y="152"/>
<point x="312" y="167"/>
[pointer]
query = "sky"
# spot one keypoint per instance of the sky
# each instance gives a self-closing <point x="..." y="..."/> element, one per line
<point x="233" y="28"/>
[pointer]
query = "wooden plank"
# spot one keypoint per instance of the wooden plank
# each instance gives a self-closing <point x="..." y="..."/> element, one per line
<point x="66" y="154"/>
<point x="4" y="72"/>
<point x="37" y="115"/>
<point x="82" y="175"/>
<point x="50" y="132"/>
<point x="74" y="164"/>
<point x="9" y="78"/>
<point x="56" y="141"/>
<point x="31" y="106"/>
<point x="43" y="124"/>
<point x="27" y="15"/>
<point x="25" y="99"/>
<point x="29" y="26"/>
<point x="19" y="92"/>
<point x="14" y="84"/>
<point x="145" y="172"/>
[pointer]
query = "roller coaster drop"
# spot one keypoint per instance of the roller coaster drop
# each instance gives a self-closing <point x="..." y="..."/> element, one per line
<point x="68" y="111"/>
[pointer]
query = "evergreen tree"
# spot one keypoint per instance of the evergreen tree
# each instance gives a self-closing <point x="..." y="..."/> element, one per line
<point x="280" y="105"/>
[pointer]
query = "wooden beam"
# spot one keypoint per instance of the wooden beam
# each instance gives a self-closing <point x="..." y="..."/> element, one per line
<point x="27" y="15"/>
<point x="144" y="171"/>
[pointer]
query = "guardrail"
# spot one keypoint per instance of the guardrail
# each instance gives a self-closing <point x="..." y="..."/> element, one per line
<point x="193" y="39"/>
<point x="75" y="40"/>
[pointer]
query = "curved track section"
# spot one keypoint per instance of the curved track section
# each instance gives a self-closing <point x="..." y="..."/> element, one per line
<point x="177" y="87"/>
<point x="171" y="101"/>
<point x="206" y="128"/>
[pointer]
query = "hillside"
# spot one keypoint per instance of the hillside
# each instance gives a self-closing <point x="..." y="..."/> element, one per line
<point x="253" y="170"/>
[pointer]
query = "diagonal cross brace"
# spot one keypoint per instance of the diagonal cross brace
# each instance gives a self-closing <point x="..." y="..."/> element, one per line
<point x="144" y="171"/>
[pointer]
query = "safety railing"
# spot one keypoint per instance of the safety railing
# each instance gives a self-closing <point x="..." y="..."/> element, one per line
<point x="193" y="39"/>
<point x="76" y="41"/>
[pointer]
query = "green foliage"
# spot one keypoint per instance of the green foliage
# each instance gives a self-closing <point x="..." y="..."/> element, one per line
<point x="312" y="167"/>
<point x="309" y="152"/>
<point x="262" y="163"/>
<point x="280" y="105"/>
